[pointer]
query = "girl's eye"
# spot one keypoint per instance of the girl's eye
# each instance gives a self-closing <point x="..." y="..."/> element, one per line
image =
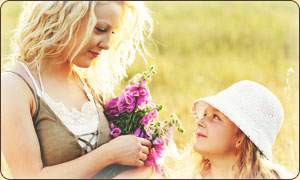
<point x="216" y="117"/>
<point x="100" y="30"/>
<point x="204" y="114"/>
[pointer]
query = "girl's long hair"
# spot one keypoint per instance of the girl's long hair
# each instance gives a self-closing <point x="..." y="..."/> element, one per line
<point x="46" y="28"/>
<point x="251" y="163"/>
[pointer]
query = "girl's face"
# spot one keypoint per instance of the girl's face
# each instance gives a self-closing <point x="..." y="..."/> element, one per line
<point x="108" y="16"/>
<point x="215" y="134"/>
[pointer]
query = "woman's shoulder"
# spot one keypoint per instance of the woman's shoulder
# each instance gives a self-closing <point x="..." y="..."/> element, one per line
<point x="16" y="75"/>
<point x="16" y="85"/>
<point x="13" y="71"/>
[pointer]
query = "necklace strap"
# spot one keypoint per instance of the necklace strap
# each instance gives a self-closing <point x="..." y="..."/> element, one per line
<point x="40" y="77"/>
<point x="83" y="85"/>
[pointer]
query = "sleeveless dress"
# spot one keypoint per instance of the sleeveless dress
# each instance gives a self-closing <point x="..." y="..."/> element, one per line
<point x="58" y="144"/>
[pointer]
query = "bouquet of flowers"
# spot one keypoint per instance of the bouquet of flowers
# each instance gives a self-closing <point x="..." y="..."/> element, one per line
<point x="133" y="113"/>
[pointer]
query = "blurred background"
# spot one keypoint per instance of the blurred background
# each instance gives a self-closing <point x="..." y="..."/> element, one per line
<point x="200" y="48"/>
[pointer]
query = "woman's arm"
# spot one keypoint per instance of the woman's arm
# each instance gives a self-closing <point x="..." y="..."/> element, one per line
<point x="21" y="147"/>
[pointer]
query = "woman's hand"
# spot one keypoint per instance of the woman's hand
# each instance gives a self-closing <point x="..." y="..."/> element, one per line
<point x="129" y="150"/>
<point x="137" y="173"/>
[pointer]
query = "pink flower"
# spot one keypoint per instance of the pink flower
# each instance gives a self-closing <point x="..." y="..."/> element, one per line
<point x="113" y="112"/>
<point x="113" y="103"/>
<point x="126" y="103"/>
<point x="141" y="105"/>
<point x="122" y="104"/>
<point x="146" y="136"/>
<point x="148" y="163"/>
<point x="115" y="132"/>
<point x="142" y="135"/>
<point x="149" y="133"/>
<point x="132" y="90"/>
<point x="153" y="114"/>
<point x="142" y="101"/>
<point x="143" y="91"/>
<point x="112" y="125"/>
<point x="152" y="161"/>
<point x="151" y="105"/>
<point x="153" y="156"/>
<point x="137" y="132"/>
<point x="147" y="119"/>
<point x="129" y="99"/>
<point x="158" y="146"/>
<point x="130" y="107"/>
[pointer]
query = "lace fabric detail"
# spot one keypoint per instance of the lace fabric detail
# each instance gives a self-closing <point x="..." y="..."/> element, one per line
<point x="84" y="123"/>
<point x="88" y="113"/>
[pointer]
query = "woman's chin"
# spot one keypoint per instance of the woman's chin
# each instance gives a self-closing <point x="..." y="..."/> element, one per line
<point x="83" y="65"/>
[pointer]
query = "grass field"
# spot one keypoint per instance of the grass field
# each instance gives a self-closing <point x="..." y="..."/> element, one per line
<point x="204" y="47"/>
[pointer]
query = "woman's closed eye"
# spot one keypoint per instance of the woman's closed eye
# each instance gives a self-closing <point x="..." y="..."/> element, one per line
<point x="102" y="30"/>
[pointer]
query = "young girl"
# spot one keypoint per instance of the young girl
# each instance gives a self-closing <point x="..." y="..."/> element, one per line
<point x="235" y="132"/>
<point x="67" y="57"/>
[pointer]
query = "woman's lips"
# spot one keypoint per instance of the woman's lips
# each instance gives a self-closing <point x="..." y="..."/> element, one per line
<point x="94" y="54"/>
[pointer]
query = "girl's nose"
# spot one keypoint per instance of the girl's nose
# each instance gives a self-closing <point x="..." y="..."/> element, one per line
<point x="200" y="122"/>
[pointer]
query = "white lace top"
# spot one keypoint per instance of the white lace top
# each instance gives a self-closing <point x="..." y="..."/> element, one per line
<point x="80" y="123"/>
<point x="83" y="123"/>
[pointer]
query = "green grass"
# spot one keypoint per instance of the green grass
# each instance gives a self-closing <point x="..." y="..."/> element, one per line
<point x="204" y="47"/>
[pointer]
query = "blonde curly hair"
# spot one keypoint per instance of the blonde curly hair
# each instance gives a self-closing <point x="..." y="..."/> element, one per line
<point x="45" y="28"/>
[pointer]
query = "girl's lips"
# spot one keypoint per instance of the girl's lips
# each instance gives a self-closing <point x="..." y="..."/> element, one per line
<point x="199" y="135"/>
<point x="94" y="54"/>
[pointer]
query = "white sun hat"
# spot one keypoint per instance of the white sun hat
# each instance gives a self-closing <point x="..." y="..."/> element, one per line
<point x="251" y="107"/>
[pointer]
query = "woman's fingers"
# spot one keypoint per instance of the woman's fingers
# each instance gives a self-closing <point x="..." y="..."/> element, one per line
<point x="143" y="156"/>
<point x="140" y="163"/>
<point x="145" y="149"/>
<point x="145" y="142"/>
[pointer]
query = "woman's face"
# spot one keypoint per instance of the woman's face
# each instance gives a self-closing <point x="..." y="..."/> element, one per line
<point x="215" y="134"/>
<point x="108" y="16"/>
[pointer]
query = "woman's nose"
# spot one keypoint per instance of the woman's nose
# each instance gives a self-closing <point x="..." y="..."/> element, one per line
<point x="105" y="42"/>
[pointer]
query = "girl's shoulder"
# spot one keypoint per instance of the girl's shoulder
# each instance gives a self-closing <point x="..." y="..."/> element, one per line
<point x="279" y="171"/>
<point x="284" y="173"/>
<point x="198" y="176"/>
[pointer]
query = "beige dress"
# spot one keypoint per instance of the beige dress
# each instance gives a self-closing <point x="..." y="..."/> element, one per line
<point x="57" y="143"/>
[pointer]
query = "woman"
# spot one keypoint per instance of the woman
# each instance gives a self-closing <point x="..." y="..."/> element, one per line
<point x="67" y="58"/>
